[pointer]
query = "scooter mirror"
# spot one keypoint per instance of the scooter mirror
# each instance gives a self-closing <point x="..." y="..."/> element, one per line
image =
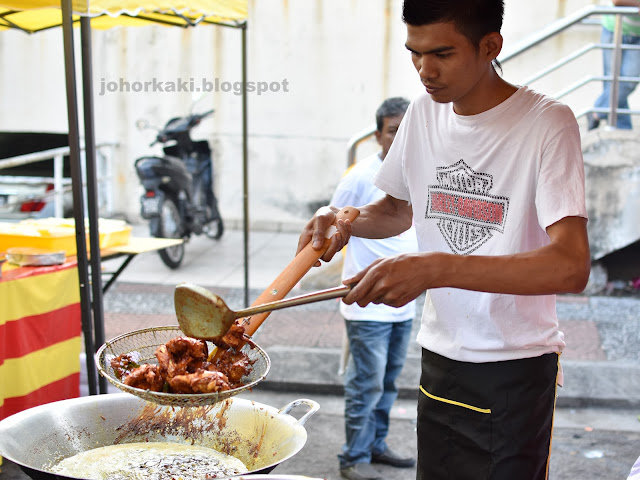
<point x="196" y="97"/>
<point x="142" y="124"/>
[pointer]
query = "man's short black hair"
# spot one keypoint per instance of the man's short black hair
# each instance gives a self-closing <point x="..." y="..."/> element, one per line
<point x="472" y="18"/>
<point x="391" y="107"/>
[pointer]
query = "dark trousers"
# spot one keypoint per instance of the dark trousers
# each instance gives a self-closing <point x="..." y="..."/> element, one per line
<point x="485" y="420"/>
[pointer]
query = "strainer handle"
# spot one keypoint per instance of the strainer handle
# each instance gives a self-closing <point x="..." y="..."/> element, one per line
<point x="293" y="273"/>
<point x="313" y="408"/>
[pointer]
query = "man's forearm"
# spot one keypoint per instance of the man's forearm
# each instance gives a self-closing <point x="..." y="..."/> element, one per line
<point x="384" y="218"/>
<point x="540" y="272"/>
<point x="560" y="267"/>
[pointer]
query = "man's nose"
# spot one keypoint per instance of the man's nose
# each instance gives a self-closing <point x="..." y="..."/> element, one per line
<point x="426" y="68"/>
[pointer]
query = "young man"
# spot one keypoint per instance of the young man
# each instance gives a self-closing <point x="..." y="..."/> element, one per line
<point x="492" y="176"/>
<point x="378" y="334"/>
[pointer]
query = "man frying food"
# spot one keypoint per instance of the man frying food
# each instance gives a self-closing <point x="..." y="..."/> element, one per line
<point x="491" y="174"/>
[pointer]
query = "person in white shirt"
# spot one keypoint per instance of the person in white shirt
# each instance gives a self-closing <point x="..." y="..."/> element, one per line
<point x="378" y="334"/>
<point x="491" y="175"/>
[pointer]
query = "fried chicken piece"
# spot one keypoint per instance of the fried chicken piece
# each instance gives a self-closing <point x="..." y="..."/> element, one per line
<point x="181" y="355"/>
<point x="234" y="338"/>
<point x="122" y="365"/>
<point x="202" y="381"/>
<point x="233" y="364"/>
<point x="168" y="368"/>
<point x="187" y="346"/>
<point x="183" y="366"/>
<point x="146" y="377"/>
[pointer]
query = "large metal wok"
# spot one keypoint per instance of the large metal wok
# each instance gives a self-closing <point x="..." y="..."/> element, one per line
<point x="259" y="435"/>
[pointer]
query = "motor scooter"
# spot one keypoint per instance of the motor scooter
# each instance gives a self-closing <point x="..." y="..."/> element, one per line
<point x="178" y="200"/>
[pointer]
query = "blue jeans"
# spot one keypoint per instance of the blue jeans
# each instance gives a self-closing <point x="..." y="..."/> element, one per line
<point x="378" y="353"/>
<point x="629" y="67"/>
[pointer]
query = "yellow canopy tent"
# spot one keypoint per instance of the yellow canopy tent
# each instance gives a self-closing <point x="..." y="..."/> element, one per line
<point x="36" y="15"/>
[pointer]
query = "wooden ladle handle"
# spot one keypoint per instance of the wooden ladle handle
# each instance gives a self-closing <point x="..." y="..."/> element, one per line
<point x="293" y="273"/>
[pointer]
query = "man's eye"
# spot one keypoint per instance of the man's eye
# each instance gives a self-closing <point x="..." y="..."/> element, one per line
<point x="443" y="55"/>
<point x="415" y="54"/>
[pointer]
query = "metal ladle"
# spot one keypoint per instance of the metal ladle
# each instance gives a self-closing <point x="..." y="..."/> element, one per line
<point x="203" y="314"/>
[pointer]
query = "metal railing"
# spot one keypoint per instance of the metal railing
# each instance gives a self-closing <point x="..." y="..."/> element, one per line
<point x="60" y="184"/>
<point x="582" y="16"/>
<point x="58" y="180"/>
<point x="356" y="140"/>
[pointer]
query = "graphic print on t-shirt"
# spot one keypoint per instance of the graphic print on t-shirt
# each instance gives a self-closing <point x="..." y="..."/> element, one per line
<point x="465" y="210"/>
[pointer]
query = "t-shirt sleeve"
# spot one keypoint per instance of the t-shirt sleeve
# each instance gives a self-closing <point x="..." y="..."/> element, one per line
<point x="560" y="191"/>
<point x="347" y="192"/>
<point x="391" y="178"/>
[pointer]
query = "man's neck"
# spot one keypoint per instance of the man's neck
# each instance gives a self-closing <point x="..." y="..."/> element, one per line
<point x="489" y="93"/>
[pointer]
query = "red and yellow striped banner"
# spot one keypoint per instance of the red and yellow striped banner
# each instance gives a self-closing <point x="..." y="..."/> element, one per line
<point x="40" y="336"/>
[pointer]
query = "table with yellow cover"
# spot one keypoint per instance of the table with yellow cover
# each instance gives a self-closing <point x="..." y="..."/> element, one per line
<point x="40" y="312"/>
<point x="133" y="247"/>
<point x="40" y="335"/>
<point x="58" y="235"/>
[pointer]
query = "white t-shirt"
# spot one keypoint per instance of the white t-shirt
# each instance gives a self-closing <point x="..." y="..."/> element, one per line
<point x="487" y="184"/>
<point x="634" y="474"/>
<point x="356" y="189"/>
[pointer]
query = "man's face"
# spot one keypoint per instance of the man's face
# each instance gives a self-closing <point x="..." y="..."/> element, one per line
<point x="389" y="128"/>
<point x="450" y="67"/>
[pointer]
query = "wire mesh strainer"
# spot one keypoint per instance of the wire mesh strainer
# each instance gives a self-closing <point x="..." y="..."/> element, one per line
<point x="142" y="345"/>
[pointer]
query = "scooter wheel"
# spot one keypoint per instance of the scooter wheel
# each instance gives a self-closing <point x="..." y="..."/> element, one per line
<point x="170" y="227"/>
<point x="172" y="256"/>
<point x="214" y="229"/>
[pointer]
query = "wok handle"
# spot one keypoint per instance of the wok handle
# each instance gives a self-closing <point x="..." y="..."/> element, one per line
<point x="313" y="408"/>
<point x="293" y="272"/>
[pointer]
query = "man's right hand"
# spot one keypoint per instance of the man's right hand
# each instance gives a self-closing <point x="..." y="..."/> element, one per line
<point x="315" y="230"/>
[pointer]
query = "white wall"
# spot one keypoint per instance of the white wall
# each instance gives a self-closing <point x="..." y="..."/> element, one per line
<point x="340" y="59"/>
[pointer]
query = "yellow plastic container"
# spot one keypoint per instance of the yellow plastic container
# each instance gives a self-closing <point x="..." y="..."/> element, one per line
<point x="59" y="234"/>
<point x="113" y="232"/>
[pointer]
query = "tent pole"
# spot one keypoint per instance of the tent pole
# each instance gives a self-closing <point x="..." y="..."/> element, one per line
<point x="76" y="185"/>
<point x="245" y="165"/>
<point x="92" y="189"/>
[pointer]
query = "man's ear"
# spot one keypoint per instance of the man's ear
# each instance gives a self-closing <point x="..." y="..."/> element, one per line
<point x="491" y="45"/>
<point x="378" y="135"/>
